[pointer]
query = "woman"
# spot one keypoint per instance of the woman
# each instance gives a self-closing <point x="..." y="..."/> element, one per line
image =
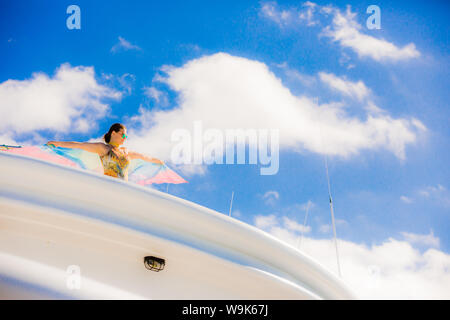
<point x="115" y="159"/>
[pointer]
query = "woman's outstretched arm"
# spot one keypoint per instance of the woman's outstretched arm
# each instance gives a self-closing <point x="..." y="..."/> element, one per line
<point x="136" y="155"/>
<point x="95" y="147"/>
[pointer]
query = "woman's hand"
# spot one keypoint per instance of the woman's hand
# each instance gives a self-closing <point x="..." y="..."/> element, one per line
<point x="157" y="161"/>
<point x="52" y="143"/>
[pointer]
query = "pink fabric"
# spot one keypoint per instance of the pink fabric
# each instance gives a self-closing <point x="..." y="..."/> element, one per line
<point x="166" y="176"/>
<point x="36" y="152"/>
<point x="141" y="172"/>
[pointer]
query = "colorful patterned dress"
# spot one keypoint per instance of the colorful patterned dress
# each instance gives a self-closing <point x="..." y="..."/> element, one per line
<point x="115" y="166"/>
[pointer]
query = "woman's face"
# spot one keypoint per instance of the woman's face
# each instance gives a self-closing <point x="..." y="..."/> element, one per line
<point x="119" y="136"/>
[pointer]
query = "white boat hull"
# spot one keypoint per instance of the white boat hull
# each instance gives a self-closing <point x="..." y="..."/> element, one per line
<point x="55" y="220"/>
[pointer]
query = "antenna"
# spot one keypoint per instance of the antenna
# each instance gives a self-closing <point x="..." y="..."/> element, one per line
<point x="231" y="203"/>
<point x="332" y="218"/>
<point x="316" y="101"/>
<point x="299" y="241"/>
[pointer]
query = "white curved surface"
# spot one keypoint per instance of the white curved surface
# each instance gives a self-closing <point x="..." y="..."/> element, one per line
<point x="52" y="217"/>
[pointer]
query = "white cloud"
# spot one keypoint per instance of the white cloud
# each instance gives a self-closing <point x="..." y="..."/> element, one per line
<point x="159" y="96"/>
<point x="266" y="222"/>
<point x="392" y="270"/>
<point x="305" y="80"/>
<point x="438" y="194"/>
<point x="347" y="32"/>
<point x="428" y="239"/>
<point x="228" y="92"/>
<point x="125" y="82"/>
<point x="190" y="170"/>
<point x="325" y="228"/>
<point x="293" y="225"/>
<point x="308" y="14"/>
<point x="303" y="210"/>
<point x="70" y="101"/>
<point x="345" y="60"/>
<point x="372" y="108"/>
<point x="236" y="213"/>
<point x="419" y="125"/>
<point x="270" y="11"/>
<point x="405" y="199"/>
<point x="270" y="197"/>
<point x="432" y="190"/>
<point x="125" y="45"/>
<point x="344" y="29"/>
<point x="271" y="222"/>
<point x="356" y="90"/>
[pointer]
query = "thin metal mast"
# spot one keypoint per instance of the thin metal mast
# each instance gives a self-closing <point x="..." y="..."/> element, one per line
<point x="304" y="225"/>
<point x="332" y="218"/>
<point x="231" y="202"/>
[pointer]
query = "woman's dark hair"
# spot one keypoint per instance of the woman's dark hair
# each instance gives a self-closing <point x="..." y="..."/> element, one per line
<point x="116" y="128"/>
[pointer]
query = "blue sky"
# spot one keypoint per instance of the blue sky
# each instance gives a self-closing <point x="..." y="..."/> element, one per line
<point x="389" y="186"/>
